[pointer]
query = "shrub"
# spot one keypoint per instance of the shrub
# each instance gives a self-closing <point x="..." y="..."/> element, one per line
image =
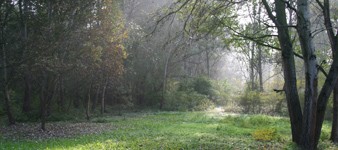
<point x="250" y="102"/>
<point x="187" y="101"/>
<point x="265" y="135"/>
<point x="270" y="103"/>
<point x="201" y="85"/>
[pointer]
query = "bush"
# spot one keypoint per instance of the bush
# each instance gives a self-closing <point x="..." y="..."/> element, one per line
<point x="201" y="85"/>
<point x="187" y="101"/>
<point x="270" y="103"/>
<point x="250" y="102"/>
<point x="265" y="135"/>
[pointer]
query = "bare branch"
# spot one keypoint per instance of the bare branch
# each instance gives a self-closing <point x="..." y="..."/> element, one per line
<point x="268" y="9"/>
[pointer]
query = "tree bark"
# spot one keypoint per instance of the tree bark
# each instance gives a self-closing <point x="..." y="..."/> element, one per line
<point x="334" y="47"/>
<point x="103" y="95"/>
<point x="207" y="54"/>
<point x="28" y="94"/>
<point x="252" y="67"/>
<point x="260" y="69"/>
<point x="96" y="99"/>
<point x="165" y="75"/>
<point x="334" y="129"/>
<point x="289" y="70"/>
<point x="88" y="99"/>
<point x="331" y="80"/>
<point x="61" y="93"/>
<point x="43" y="101"/>
<point x="310" y="65"/>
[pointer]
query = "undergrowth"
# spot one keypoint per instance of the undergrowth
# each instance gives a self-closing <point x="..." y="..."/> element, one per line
<point x="177" y="130"/>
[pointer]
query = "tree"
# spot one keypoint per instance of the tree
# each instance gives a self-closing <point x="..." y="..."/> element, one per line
<point x="313" y="114"/>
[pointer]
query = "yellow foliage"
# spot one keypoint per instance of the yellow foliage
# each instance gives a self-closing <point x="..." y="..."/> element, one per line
<point x="265" y="134"/>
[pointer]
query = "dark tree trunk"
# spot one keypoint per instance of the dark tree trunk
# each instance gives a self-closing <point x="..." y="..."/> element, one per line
<point x="43" y="101"/>
<point x="103" y="96"/>
<point x="88" y="99"/>
<point x="61" y="94"/>
<point x="28" y="94"/>
<point x="334" y="130"/>
<point x="96" y="99"/>
<point x="291" y="91"/>
<point x="252" y="67"/>
<point x="334" y="47"/>
<point x="324" y="95"/>
<point x="47" y="91"/>
<point x="76" y="101"/>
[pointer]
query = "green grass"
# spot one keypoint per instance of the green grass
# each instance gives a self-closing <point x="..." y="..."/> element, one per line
<point x="175" y="130"/>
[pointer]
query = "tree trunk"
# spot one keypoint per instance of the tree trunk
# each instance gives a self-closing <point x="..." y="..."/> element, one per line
<point x="43" y="101"/>
<point x="334" y="129"/>
<point x="310" y="65"/>
<point x="324" y="95"/>
<point x="61" y="94"/>
<point x="252" y="67"/>
<point x="28" y="94"/>
<point x="260" y="69"/>
<point x="103" y="96"/>
<point x="289" y="70"/>
<point x="88" y="99"/>
<point x="334" y="47"/>
<point x="96" y="99"/>
<point x="208" y="62"/>
<point x="165" y="75"/>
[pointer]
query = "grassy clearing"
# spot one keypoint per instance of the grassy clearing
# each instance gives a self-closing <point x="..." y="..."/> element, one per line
<point x="177" y="130"/>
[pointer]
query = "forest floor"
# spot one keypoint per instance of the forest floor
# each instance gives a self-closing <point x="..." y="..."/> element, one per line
<point x="159" y="130"/>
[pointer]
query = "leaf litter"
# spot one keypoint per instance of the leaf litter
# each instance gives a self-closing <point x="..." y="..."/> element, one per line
<point x="32" y="131"/>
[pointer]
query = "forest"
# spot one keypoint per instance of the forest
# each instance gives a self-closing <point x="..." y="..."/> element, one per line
<point x="169" y="74"/>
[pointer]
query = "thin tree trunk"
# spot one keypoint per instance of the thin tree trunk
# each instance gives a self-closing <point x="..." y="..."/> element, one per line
<point x="165" y="75"/>
<point x="96" y="99"/>
<point x="28" y="94"/>
<point x="61" y="93"/>
<point x="208" y="62"/>
<point x="103" y="96"/>
<point x="43" y="101"/>
<point x="260" y="69"/>
<point x="88" y="103"/>
<point x="252" y="66"/>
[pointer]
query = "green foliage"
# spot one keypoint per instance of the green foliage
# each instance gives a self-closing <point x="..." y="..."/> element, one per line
<point x="187" y="101"/>
<point x="250" y="102"/>
<point x="221" y="92"/>
<point x="265" y="134"/>
<point x="191" y="94"/>
<point x="201" y="85"/>
<point x="271" y="103"/>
